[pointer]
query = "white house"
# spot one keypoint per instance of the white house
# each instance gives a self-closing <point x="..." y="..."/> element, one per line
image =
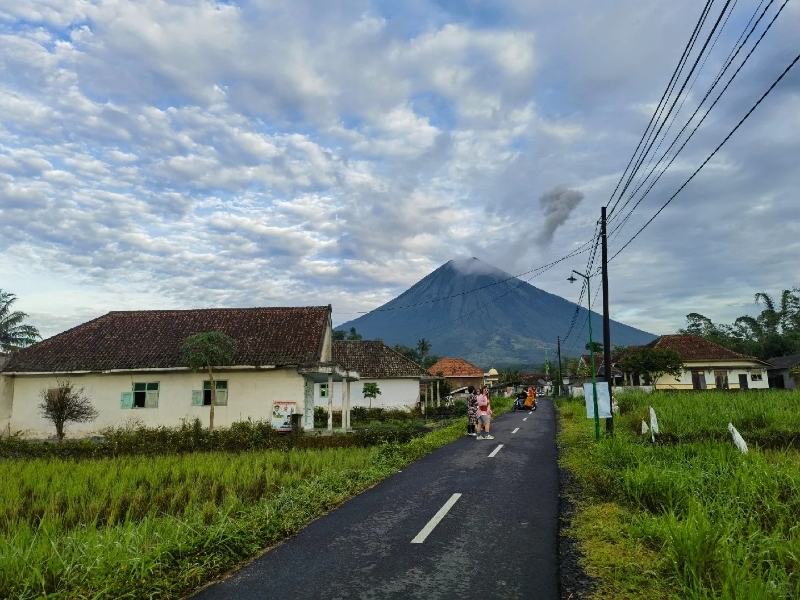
<point x="707" y="365"/>
<point x="398" y="377"/>
<point x="131" y="367"/>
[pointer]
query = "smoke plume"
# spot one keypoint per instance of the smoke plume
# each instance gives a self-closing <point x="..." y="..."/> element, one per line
<point x="557" y="204"/>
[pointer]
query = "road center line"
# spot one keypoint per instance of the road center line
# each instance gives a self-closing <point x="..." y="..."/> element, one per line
<point x="426" y="531"/>
<point x="525" y="419"/>
<point x="516" y="430"/>
<point x="495" y="451"/>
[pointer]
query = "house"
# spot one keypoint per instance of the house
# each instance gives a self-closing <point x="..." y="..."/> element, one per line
<point x="779" y="371"/>
<point x="585" y="361"/>
<point x="707" y="365"/>
<point x="130" y="365"/>
<point x="398" y="378"/>
<point x="458" y="372"/>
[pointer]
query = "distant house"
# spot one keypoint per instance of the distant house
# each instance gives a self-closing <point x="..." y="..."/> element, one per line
<point x="779" y="371"/>
<point x="458" y="372"/>
<point x="707" y="365"/>
<point x="131" y="366"/>
<point x="600" y="366"/>
<point x="398" y="377"/>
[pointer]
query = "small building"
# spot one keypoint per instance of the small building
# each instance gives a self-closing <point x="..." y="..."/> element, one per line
<point x="398" y="377"/>
<point x="131" y="366"/>
<point x="458" y="372"/>
<point x="779" y="371"/>
<point x="707" y="365"/>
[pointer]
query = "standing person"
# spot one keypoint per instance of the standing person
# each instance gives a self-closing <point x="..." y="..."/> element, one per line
<point x="472" y="411"/>
<point x="484" y="415"/>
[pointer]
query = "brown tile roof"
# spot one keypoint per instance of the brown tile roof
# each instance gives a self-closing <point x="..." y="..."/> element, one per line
<point x="694" y="348"/>
<point x="455" y="367"/>
<point x="374" y="359"/>
<point x="152" y="339"/>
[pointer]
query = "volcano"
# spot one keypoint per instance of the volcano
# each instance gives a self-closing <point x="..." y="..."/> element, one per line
<point x="471" y="309"/>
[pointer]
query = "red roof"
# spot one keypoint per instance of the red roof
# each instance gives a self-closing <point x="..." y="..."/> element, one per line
<point x="455" y="367"/>
<point x="152" y="339"/>
<point x="694" y="348"/>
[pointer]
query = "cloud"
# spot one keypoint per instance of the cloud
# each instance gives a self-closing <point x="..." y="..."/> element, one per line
<point x="181" y="154"/>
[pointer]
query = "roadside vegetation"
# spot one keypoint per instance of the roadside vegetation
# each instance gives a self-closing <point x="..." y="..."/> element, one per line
<point x="688" y="516"/>
<point x="169" y="510"/>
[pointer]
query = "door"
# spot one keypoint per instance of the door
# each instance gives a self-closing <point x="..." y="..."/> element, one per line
<point x="742" y="382"/>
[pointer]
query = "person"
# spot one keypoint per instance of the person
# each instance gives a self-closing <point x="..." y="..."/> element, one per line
<point x="472" y="411"/>
<point x="484" y="415"/>
<point x="530" y="400"/>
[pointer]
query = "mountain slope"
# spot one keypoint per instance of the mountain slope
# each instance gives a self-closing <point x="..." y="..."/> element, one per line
<point x="498" y="323"/>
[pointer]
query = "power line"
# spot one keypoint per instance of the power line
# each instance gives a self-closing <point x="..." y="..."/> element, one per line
<point x="615" y="232"/>
<point x="710" y="156"/>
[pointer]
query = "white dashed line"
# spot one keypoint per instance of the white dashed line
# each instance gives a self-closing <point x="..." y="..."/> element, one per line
<point x="525" y="419"/>
<point x="426" y="531"/>
<point x="516" y="430"/>
<point x="495" y="451"/>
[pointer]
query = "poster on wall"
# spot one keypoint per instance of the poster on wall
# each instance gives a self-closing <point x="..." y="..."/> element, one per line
<point x="282" y="415"/>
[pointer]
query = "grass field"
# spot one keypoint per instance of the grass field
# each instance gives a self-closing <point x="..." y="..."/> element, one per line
<point x="160" y="526"/>
<point x="689" y="516"/>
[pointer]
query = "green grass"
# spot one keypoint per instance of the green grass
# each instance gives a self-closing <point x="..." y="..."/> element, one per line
<point x="697" y="518"/>
<point x="144" y="527"/>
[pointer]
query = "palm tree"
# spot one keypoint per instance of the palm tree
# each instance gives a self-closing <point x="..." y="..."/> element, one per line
<point x="14" y="334"/>
<point x="202" y="351"/>
<point x="423" y="347"/>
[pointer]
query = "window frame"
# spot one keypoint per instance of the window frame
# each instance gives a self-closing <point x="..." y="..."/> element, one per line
<point x="222" y="386"/>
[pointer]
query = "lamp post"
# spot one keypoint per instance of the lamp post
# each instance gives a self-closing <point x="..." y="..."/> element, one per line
<point x="572" y="279"/>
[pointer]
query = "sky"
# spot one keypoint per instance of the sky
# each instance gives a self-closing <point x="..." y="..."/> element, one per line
<point x="190" y="154"/>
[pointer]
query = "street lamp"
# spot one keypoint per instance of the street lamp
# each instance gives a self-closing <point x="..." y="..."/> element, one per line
<point x="572" y="279"/>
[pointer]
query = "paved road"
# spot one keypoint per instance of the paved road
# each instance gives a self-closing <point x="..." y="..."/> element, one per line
<point x="498" y="540"/>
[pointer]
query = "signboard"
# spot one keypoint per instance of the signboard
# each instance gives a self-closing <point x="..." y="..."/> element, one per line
<point x="282" y="415"/>
<point x="603" y="400"/>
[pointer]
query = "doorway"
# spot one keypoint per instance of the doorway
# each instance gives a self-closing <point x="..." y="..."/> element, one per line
<point x="742" y="382"/>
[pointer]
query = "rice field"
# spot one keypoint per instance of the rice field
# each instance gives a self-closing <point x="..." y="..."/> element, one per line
<point x="689" y="516"/>
<point x="160" y="526"/>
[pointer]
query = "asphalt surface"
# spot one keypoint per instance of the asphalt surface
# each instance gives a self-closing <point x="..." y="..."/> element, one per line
<point x="498" y="540"/>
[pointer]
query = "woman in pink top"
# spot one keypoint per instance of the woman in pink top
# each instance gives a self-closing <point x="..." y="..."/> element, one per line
<point x="484" y="415"/>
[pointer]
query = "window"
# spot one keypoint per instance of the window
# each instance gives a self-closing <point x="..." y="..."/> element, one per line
<point x="144" y="395"/>
<point x="203" y="397"/>
<point x="323" y="390"/>
<point x="756" y="376"/>
<point x="698" y="380"/>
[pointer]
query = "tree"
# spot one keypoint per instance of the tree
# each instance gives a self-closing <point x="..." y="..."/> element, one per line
<point x="63" y="404"/>
<point x="354" y="335"/>
<point x="203" y="351"/>
<point x="370" y="391"/>
<point x="14" y="334"/>
<point x="598" y="347"/>
<point x="407" y="351"/>
<point x="338" y="334"/>
<point x="651" y="363"/>
<point x="423" y="347"/>
<point x="430" y="360"/>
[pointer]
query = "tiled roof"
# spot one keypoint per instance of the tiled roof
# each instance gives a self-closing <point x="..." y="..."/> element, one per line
<point x="694" y="348"/>
<point x="374" y="359"/>
<point x="152" y="339"/>
<point x="455" y="367"/>
<point x="780" y="362"/>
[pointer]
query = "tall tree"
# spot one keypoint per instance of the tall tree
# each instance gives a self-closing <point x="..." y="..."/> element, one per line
<point x="64" y="404"/>
<point x="14" y="334"/>
<point x="371" y="391"/>
<point x="423" y="347"/>
<point x="354" y="335"/>
<point x="203" y="352"/>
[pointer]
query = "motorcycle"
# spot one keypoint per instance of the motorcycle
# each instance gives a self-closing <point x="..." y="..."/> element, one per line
<point x="521" y="403"/>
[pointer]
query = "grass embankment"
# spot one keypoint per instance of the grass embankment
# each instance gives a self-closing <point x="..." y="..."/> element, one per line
<point x="689" y="516"/>
<point x="160" y="526"/>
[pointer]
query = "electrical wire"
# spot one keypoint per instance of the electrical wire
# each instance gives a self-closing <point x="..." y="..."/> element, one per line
<point x="710" y="156"/>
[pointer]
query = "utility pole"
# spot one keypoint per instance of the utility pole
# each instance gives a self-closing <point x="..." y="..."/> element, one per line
<point x="560" y="377"/>
<point x="606" y="318"/>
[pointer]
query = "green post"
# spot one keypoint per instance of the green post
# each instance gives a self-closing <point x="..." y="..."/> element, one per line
<point x="591" y="354"/>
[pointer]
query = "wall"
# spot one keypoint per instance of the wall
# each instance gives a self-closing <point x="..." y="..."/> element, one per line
<point x="734" y="369"/>
<point x="250" y="394"/>
<point x="6" y="403"/>
<point x="395" y="393"/>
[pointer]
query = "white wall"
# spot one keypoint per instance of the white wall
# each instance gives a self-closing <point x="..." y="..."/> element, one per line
<point x="395" y="393"/>
<point x="6" y="401"/>
<point x="685" y="380"/>
<point x="250" y="394"/>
